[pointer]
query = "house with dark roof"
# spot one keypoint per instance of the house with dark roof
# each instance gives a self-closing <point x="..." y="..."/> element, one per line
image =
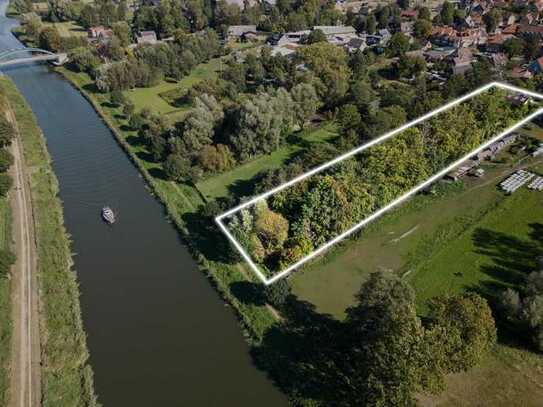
<point x="356" y="44"/>
<point x="495" y="42"/>
<point x="236" y="32"/>
<point x="536" y="66"/>
<point x="530" y="30"/>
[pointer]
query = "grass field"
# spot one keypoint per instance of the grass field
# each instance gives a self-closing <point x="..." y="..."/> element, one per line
<point x="492" y="254"/>
<point x="69" y="29"/>
<point x="152" y="97"/>
<point x="402" y="240"/>
<point x="508" y="377"/>
<point x="66" y="376"/>
<point x="222" y="184"/>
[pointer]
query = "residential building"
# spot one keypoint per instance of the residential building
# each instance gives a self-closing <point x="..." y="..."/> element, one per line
<point x="236" y="32"/>
<point x="99" y="33"/>
<point x="335" y="30"/>
<point x="536" y="66"/>
<point x="146" y="37"/>
<point x="462" y="59"/>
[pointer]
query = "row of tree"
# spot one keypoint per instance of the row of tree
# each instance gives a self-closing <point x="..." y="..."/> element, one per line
<point x="524" y="307"/>
<point x="369" y="181"/>
<point x="7" y="133"/>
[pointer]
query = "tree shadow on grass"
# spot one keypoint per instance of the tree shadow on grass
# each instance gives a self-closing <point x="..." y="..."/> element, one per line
<point x="157" y="173"/>
<point x="243" y="188"/>
<point x="91" y="88"/>
<point x="146" y="156"/>
<point x="135" y="140"/>
<point x="513" y="259"/>
<point x="109" y="105"/>
<point x="302" y="355"/>
<point x="207" y="238"/>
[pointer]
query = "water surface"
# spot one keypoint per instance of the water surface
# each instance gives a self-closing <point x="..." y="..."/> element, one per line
<point x="158" y="334"/>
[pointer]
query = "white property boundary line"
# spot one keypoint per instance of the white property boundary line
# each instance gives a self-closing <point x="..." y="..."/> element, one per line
<point x="397" y="201"/>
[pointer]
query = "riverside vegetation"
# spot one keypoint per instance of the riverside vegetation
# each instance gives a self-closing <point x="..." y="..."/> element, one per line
<point x="239" y="115"/>
<point x="7" y="258"/>
<point x="195" y="217"/>
<point x="66" y="376"/>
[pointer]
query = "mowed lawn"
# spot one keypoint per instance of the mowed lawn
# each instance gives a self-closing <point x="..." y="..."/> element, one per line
<point x="151" y="97"/>
<point x="222" y="184"/>
<point x="507" y="377"/>
<point x="493" y="254"/>
<point x="404" y="239"/>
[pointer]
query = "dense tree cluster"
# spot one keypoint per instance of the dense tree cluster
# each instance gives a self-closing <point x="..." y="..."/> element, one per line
<point x="149" y="64"/>
<point x="383" y="353"/>
<point x="102" y="12"/>
<point x="7" y="133"/>
<point x="372" y="179"/>
<point x="395" y="355"/>
<point x="525" y="307"/>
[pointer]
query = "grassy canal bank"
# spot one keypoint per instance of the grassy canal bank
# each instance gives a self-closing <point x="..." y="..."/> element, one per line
<point x="182" y="203"/>
<point x="5" y="304"/>
<point x="66" y="376"/>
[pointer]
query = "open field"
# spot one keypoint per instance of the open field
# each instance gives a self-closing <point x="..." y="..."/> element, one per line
<point x="222" y="184"/>
<point x="403" y="239"/>
<point x="507" y="377"/>
<point x="492" y="254"/>
<point x="389" y="243"/>
<point x="69" y="29"/>
<point x="66" y="376"/>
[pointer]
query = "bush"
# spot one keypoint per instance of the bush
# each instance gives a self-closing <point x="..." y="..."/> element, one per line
<point x="6" y="160"/>
<point x="117" y="98"/>
<point x="176" y="168"/>
<point x="5" y="184"/>
<point x="7" y="258"/>
<point x="7" y="132"/>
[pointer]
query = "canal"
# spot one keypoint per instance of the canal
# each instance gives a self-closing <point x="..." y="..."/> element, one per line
<point x="158" y="333"/>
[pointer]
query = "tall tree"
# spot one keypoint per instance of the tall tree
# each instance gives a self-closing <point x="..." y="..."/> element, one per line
<point x="306" y="102"/>
<point x="385" y="335"/>
<point x="467" y="330"/>
<point x="447" y="13"/>
<point x="330" y="64"/>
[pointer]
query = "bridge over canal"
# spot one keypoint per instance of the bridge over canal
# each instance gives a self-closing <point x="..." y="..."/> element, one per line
<point x="27" y="55"/>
